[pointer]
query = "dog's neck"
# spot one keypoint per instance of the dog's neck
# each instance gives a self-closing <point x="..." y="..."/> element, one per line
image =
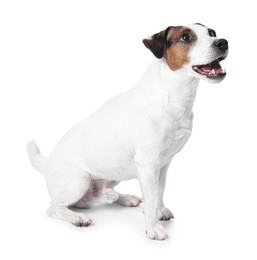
<point x="171" y="89"/>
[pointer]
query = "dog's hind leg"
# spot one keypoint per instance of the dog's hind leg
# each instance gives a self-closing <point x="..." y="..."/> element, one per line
<point x="66" y="187"/>
<point x="128" y="200"/>
<point x="124" y="199"/>
<point x="98" y="192"/>
<point x="61" y="211"/>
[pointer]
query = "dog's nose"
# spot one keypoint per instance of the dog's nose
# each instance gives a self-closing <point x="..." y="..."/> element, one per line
<point x="222" y="44"/>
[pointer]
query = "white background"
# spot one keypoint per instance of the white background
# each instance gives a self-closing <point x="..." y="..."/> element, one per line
<point x="60" y="60"/>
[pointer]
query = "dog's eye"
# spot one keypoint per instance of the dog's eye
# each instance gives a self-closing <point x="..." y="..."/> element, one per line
<point x="212" y="33"/>
<point x="186" y="37"/>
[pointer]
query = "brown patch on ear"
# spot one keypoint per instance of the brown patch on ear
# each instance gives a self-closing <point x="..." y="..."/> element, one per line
<point x="177" y="54"/>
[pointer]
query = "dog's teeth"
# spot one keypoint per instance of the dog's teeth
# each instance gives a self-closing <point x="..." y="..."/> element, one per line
<point x="223" y="70"/>
<point x="213" y="71"/>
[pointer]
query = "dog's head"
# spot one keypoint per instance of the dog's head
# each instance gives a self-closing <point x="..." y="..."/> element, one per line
<point x="195" y="48"/>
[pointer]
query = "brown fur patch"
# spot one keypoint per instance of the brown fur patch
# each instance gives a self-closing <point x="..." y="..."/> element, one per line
<point x="177" y="54"/>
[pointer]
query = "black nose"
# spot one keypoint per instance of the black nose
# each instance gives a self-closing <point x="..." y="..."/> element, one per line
<point x="222" y="44"/>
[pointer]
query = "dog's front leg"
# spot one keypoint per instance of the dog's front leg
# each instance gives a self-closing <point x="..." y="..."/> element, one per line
<point x="149" y="180"/>
<point x="163" y="212"/>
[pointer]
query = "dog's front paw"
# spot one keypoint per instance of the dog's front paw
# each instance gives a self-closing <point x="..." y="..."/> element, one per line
<point x="156" y="233"/>
<point x="165" y="214"/>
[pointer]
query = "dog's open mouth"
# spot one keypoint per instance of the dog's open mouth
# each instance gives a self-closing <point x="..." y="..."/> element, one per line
<point x="211" y="70"/>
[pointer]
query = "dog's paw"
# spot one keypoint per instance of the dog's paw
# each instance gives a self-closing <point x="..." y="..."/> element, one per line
<point x="110" y="195"/>
<point x="81" y="220"/>
<point x="156" y="233"/>
<point x="129" y="200"/>
<point x="165" y="214"/>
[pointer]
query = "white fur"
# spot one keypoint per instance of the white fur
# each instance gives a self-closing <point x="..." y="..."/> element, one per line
<point x="133" y="135"/>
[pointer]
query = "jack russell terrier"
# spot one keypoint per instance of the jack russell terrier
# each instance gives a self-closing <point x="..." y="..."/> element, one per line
<point x="135" y="134"/>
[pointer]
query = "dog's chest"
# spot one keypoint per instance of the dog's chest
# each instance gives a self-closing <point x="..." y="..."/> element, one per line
<point x="174" y="133"/>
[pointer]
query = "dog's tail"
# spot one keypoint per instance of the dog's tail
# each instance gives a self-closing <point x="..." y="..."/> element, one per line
<point x="37" y="160"/>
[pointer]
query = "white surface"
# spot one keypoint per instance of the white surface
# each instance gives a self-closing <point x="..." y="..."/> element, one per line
<point x="60" y="60"/>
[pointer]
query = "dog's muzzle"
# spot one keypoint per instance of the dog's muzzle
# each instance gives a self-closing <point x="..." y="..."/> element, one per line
<point x="213" y="70"/>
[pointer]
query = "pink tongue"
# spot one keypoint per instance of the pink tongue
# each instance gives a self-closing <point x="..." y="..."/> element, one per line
<point x="213" y="66"/>
<point x="206" y="68"/>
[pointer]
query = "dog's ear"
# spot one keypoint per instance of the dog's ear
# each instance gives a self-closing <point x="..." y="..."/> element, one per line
<point x="158" y="43"/>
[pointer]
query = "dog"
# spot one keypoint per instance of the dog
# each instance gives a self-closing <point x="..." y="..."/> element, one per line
<point x="136" y="134"/>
